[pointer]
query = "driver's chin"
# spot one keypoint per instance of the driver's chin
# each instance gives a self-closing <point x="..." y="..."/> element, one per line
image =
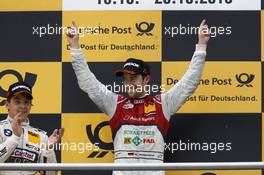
<point x="131" y="94"/>
<point x="134" y="94"/>
<point x="24" y="115"/>
<point x="24" y="118"/>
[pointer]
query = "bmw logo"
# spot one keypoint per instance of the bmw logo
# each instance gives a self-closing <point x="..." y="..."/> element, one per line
<point x="7" y="132"/>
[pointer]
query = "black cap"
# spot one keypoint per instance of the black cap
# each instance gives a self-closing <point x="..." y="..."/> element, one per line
<point x="134" y="66"/>
<point x="18" y="88"/>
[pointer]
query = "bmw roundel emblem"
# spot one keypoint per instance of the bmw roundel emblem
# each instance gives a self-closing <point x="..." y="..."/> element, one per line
<point x="7" y="132"/>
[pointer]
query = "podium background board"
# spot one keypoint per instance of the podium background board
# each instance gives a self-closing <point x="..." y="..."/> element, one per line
<point x="220" y="122"/>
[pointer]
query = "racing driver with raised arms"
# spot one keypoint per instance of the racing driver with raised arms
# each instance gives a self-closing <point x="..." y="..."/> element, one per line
<point x="139" y="122"/>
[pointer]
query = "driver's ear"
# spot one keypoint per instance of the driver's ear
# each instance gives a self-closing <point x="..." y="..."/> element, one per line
<point x="7" y="104"/>
<point x="146" y="79"/>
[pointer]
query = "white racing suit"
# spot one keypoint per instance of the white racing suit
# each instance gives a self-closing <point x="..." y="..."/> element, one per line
<point x="139" y="126"/>
<point x="24" y="149"/>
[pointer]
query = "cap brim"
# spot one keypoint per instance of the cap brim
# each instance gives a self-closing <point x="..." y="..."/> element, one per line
<point x="27" y="94"/>
<point x="120" y="72"/>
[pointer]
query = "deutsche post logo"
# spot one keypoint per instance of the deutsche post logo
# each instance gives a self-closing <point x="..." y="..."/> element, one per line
<point x="94" y="137"/>
<point x="245" y="79"/>
<point x="144" y="28"/>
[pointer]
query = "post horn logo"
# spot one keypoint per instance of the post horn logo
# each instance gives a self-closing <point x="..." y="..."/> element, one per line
<point x="144" y="28"/>
<point x="30" y="78"/>
<point x="245" y="79"/>
<point x="94" y="138"/>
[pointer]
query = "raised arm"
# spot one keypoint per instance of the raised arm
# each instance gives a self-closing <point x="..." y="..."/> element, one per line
<point x="177" y="95"/>
<point x="106" y="100"/>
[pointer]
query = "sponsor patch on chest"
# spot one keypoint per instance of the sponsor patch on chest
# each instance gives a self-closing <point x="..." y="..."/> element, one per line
<point x="33" y="137"/>
<point x="128" y="106"/>
<point x="149" y="108"/>
<point x="24" y="154"/>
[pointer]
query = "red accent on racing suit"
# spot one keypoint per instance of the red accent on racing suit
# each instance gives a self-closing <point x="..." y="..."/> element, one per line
<point x="140" y="128"/>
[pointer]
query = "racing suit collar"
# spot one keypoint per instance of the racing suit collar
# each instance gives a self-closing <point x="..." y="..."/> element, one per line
<point x="143" y="96"/>
<point x="26" y="123"/>
<point x="139" y="100"/>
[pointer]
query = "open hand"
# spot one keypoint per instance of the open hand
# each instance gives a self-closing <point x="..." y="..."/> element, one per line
<point x="55" y="137"/>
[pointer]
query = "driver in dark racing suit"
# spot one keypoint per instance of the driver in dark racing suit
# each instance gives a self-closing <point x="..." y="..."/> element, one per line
<point x="140" y="122"/>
